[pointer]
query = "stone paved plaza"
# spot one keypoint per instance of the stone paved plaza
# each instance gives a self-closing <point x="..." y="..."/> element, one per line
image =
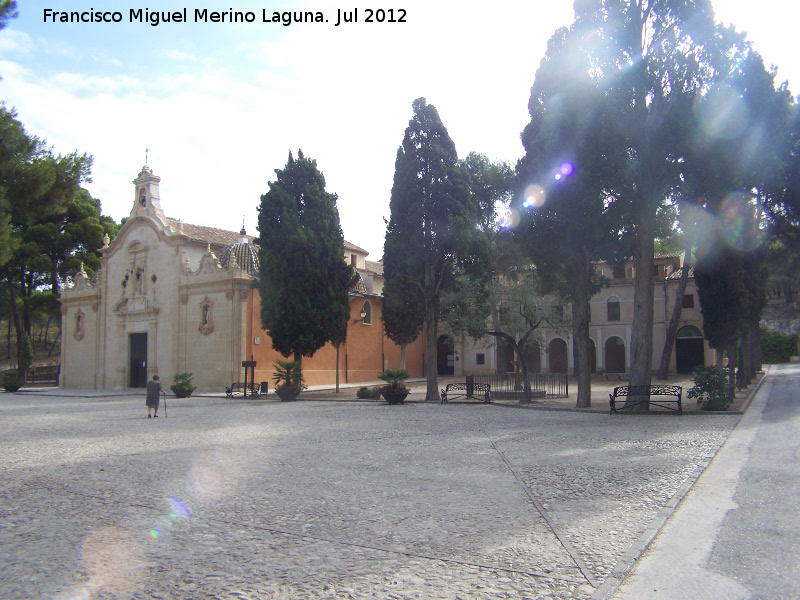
<point x="259" y="499"/>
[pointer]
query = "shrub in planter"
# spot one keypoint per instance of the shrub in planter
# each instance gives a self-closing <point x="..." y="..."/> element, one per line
<point x="182" y="386"/>
<point x="395" y="391"/>
<point x="11" y="380"/>
<point x="712" y="388"/>
<point x="288" y="379"/>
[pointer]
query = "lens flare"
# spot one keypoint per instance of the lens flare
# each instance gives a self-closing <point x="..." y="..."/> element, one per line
<point x="510" y="220"/>
<point x="567" y="169"/>
<point x="738" y="223"/>
<point x="179" y="510"/>
<point x="114" y="561"/>
<point x="534" y="196"/>
<point x="722" y="112"/>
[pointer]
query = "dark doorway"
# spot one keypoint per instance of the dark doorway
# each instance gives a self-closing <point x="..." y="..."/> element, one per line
<point x="615" y="355"/>
<point x="533" y="357"/>
<point x="558" y="356"/>
<point x="689" y="351"/>
<point x="138" y="364"/>
<point x="505" y="357"/>
<point x="445" y="356"/>
<point x="592" y="357"/>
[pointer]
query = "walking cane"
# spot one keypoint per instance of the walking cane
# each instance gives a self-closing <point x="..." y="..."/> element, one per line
<point x="165" y="405"/>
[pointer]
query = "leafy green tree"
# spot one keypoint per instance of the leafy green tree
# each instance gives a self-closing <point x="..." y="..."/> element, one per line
<point x="566" y="217"/>
<point x="36" y="187"/>
<point x="432" y="227"/>
<point x="655" y="61"/>
<point x="71" y="237"/>
<point x="303" y="277"/>
<point x="510" y="309"/>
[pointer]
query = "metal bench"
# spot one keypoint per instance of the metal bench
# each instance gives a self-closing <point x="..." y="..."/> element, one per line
<point x="622" y="392"/>
<point x="44" y="374"/>
<point x="238" y="389"/>
<point x="467" y="390"/>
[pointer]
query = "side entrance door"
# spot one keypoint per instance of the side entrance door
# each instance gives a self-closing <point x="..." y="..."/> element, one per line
<point x="138" y="364"/>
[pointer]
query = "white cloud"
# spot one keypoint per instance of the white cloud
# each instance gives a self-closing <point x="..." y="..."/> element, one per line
<point x="180" y="56"/>
<point x="15" y="42"/>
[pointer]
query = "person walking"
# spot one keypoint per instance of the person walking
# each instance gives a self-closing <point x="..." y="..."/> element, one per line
<point x="153" y="390"/>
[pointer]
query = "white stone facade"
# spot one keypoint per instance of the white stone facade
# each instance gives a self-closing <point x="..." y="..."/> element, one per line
<point x="126" y="323"/>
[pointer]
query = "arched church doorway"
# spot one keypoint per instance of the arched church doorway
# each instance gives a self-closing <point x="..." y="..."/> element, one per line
<point x="689" y="351"/>
<point x="558" y="356"/>
<point x="533" y="357"/>
<point x="445" y="356"/>
<point x="615" y="355"/>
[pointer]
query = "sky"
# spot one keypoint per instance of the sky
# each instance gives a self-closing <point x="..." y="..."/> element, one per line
<point x="218" y="106"/>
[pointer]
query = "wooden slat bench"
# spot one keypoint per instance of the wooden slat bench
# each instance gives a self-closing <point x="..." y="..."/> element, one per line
<point x="481" y="391"/>
<point x="237" y="389"/>
<point x="622" y="392"/>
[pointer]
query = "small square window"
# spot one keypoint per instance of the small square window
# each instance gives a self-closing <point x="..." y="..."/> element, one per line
<point x="480" y="359"/>
<point x="688" y="301"/>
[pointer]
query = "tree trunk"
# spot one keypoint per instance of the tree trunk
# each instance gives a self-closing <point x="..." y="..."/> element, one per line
<point x="672" y="329"/>
<point x="747" y="360"/>
<point x="337" y="367"/>
<point x="758" y="358"/>
<point x="431" y="357"/>
<point x="526" y="380"/>
<point x="403" y="357"/>
<point x="581" y="311"/>
<point x="641" y="350"/>
<point x="53" y="345"/>
<point x="23" y="370"/>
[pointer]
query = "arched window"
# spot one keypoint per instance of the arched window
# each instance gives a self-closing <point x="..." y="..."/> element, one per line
<point x="367" y="312"/>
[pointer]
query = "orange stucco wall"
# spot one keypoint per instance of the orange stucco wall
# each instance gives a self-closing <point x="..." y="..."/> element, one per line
<point x="366" y="352"/>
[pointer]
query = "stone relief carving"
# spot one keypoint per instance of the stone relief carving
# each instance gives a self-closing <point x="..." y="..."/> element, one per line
<point x="206" y="316"/>
<point x="79" y="319"/>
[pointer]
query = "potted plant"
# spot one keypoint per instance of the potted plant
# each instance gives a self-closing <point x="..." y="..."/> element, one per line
<point x="395" y="391"/>
<point x="11" y="380"/>
<point x="182" y="388"/>
<point x="288" y="379"/>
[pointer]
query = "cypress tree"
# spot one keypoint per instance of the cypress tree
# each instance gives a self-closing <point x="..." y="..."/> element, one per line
<point x="303" y="277"/>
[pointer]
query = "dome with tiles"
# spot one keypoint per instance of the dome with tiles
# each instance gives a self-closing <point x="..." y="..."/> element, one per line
<point x="243" y="253"/>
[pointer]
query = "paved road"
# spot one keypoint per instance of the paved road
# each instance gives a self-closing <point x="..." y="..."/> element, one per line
<point x="737" y="533"/>
<point x="261" y="499"/>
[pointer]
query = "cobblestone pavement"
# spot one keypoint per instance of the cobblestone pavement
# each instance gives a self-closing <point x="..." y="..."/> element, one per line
<point x="312" y="499"/>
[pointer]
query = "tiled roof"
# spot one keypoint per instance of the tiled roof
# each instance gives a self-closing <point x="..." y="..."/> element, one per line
<point x="350" y="246"/>
<point x="212" y="235"/>
<point x="375" y="267"/>
<point x="246" y="256"/>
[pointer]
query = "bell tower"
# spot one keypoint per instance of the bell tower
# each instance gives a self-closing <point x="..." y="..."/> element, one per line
<point x="146" y="199"/>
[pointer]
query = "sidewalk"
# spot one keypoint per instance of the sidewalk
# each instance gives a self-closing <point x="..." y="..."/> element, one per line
<point x="735" y="535"/>
<point x="601" y="388"/>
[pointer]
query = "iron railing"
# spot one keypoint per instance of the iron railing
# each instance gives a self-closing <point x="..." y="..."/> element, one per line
<point x="543" y="385"/>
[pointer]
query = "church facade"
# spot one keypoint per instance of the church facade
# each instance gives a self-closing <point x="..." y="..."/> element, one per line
<point x="172" y="297"/>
